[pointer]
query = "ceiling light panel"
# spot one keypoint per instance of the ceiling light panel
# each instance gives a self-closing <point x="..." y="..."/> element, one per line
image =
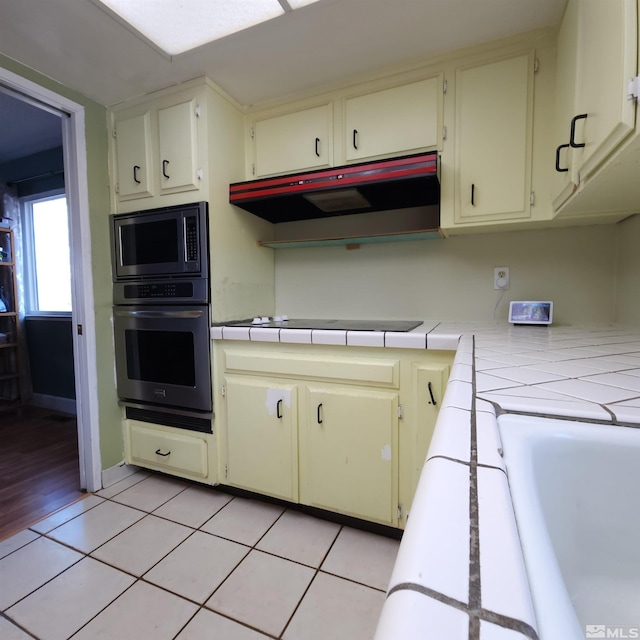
<point x="296" y="4"/>
<point x="176" y="26"/>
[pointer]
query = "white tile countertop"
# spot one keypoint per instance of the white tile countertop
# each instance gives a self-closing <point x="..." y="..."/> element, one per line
<point x="460" y="573"/>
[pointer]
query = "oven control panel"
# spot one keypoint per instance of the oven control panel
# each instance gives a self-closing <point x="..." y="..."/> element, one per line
<point x="159" y="290"/>
<point x="186" y="291"/>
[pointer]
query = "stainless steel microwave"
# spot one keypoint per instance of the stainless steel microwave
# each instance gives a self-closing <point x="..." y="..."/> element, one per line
<point x="160" y="243"/>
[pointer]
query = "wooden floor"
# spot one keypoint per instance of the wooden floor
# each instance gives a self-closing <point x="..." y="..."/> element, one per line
<point x="38" y="466"/>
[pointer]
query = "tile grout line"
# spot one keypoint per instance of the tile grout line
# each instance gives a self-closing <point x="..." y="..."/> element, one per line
<point x="464" y="462"/>
<point x="475" y="587"/>
<point x="315" y="575"/>
<point x="499" y="619"/>
<point x="103" y="608"/>
<point x="19" y="626"/>
<point x="19" y="600"/>
<point x="477" y="613"/>
<point x="251" y="548"/>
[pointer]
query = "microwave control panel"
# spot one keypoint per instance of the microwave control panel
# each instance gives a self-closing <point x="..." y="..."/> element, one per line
<point x="191" y="238"/>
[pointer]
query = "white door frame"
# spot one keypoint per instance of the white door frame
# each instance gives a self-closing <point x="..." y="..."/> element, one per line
<point x="83" y="319"/>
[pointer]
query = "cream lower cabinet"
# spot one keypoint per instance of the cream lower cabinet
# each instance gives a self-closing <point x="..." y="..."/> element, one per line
<point x="349" y="452"/>
<point x="176" y="451"/>
<point x="343" y="429"/>
<point x="262" y="436"/>
<point x="429" y="383"/>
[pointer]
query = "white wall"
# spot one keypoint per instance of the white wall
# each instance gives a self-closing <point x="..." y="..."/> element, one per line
<point x="452" y="279"/>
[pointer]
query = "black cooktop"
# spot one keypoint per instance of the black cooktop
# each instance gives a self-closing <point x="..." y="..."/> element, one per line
<point x="340" y="325"/>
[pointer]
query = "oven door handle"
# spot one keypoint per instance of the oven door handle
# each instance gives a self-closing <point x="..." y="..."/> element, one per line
<point x="192" y="313"/>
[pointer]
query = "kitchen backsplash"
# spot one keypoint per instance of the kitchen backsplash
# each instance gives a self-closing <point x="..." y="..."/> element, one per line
<point x="452" y="279"/>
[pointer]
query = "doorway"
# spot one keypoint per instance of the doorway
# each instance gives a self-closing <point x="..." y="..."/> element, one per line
<point x="71" y="117"/>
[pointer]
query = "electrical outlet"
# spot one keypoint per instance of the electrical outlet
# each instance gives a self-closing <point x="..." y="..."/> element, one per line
<point x="501" y="278"/>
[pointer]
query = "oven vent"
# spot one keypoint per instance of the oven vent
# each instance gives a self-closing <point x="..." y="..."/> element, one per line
<point x="192" y="423"/>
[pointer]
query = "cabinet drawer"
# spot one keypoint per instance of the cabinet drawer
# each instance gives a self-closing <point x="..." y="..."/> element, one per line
<point x="175" y="453"/>
<point x="382" y="372"/>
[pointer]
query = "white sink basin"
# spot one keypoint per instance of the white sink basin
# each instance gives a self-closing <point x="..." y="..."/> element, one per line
<point x="576" y="495"/>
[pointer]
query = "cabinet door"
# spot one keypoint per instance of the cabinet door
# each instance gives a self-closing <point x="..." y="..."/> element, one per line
<point x="349" y="460"/>
<point x="294" y="142"/>
<point x="606" y="60"/>
<point x="134" y="157"/>
<point x="566" y="176"/>
<point x="178" y="147"/>
<point x="398" y="120"/>
<point x="430" y="383"/>
<point x="494" y="115"/>
<point x="262" y="436"/>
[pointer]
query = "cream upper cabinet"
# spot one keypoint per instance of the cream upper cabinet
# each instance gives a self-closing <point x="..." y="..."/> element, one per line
<point x="402" y="119"/>
<point x="598" y="46"/>
<point x="262" y="436"/>
<point x="297" y="141"/>
<point x="349" y="452"/>
<point x="607" y="59"/>
<point x="134" y="156"/>
<point x="494" y="116"/>
<point x="178" y="147"/>
<point x="158" y="149"/>
<point x="566" y="178"/>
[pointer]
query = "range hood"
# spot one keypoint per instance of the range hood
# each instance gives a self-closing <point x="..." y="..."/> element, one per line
<point x="382" y="185"/>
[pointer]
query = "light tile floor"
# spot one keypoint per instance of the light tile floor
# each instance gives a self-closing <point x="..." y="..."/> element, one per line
<point x="158" y="558"/>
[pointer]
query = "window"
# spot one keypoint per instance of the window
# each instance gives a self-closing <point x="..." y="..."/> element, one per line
<point x="47" y="255"/>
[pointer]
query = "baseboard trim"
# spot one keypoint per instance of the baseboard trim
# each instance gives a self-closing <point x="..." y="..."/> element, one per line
<point x="118" y="472"/>
<point x="55" y="403"/>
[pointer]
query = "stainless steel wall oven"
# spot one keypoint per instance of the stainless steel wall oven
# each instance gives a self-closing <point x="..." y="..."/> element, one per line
<point x="161" y="315"/>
